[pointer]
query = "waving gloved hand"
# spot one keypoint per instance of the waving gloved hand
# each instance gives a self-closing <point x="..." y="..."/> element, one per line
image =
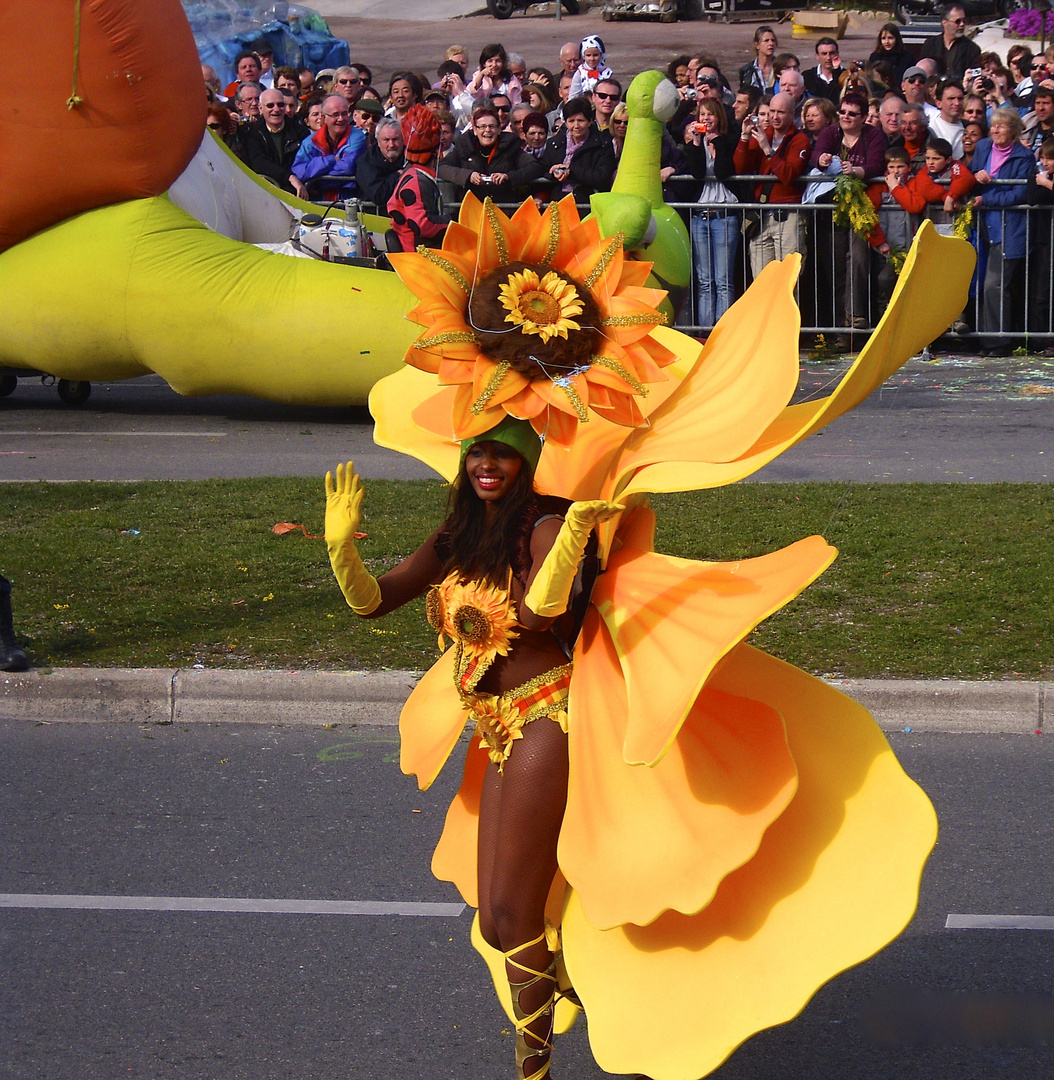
<point x="551" y="587"/>
<point x="344" y="497"/>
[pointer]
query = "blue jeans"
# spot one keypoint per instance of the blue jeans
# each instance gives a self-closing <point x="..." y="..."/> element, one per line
<point x="715" y="236"/>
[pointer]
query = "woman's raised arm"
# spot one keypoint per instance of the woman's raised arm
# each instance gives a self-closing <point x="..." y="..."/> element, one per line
<point x="367" y="596"/>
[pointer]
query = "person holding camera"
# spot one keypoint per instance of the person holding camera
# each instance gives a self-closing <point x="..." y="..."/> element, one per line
<point x="579" y="158"/>
<point x="489" y="161"/>
<point x="709" y="150"/>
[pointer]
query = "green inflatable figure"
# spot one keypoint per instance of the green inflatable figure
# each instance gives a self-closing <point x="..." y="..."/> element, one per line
<point x="635" y="206"/>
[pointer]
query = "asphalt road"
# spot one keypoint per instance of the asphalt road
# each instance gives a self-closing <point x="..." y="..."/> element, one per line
<point x="953" y="419"/>
<point x="307" y="813"/>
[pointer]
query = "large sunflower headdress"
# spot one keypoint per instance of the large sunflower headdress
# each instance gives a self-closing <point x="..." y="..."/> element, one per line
<point x="537" y="317"/>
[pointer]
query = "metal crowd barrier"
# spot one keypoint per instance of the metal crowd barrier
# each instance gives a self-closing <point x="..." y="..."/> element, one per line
<point x="836" y="265"/>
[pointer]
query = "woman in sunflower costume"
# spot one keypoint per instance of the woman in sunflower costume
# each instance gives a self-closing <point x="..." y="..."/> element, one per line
<point x="718" y="833"/>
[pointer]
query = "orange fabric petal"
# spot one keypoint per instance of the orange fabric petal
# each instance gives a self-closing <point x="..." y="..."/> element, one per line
<point x="557" y="427"/>
<point x="394" y="401"/>
<point x="465" y="422"/>
<point x="470" y="215"/>
<point x="457" y="240"/>
<point x="622" y="410"/>
<point x="636" y="842"/>
<point x="424" y="280"/>
<point x="835" y="879"/>
<point x="654" y="604"/>
<point x="512" y="383"/>
<point x="634" y="272"/>
<point x="567" y="220"/>
<point x="523" y="225"/>
<point x="493" y="243"/>
<point x="525" y="403"/>
<point x="455" y="856"/>
<point x="431" y="722"/>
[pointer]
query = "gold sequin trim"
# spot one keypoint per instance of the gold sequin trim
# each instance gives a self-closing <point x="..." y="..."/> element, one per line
<point x="651" y="318"/>
<point x="554" y="235"/>
<point x="613" y="248"/>
<point x="532" y="686"/>
<point x="445" y="265"/>
<point x="576" y="401"/>
<point x="499" y="233"/>
<point x="491" y="388"/>
<point x="621" y="372"/>
<point x="448" y="337"/>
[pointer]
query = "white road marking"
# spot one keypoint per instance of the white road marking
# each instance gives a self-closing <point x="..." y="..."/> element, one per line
<point x="999" y="922"/>
<point x="136" y="434"/>
<point x="219" y="903"/>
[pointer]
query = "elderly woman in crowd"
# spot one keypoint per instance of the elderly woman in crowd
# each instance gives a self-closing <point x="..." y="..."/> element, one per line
<point x="578" y="158"/>
<point x="817" y="114"/>
<point x="1003" y="230"/>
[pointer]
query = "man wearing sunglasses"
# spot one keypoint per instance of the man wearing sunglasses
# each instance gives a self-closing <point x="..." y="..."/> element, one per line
<point x="347" y="83"/>
<point x="606" y="95"/>
<point x="272" y="145"/>
<point x="951" y="49"/>
<point x="326" y="161"/>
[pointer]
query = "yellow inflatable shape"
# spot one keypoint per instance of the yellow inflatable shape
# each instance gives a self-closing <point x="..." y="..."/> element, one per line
<point x="142" y="286"/>
<point x="835" y="879"/>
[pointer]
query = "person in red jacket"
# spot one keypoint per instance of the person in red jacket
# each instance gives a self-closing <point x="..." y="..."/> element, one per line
<point x="782" y="151"/>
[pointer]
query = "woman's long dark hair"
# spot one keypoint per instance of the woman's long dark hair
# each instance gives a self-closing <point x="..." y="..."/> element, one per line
<point x="490" y="51"/>
<point x="485" y="549"/>
<point x="889" y="28"/>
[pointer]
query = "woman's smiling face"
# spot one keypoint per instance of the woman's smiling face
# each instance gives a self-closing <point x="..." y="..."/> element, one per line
<point x="493" y="469"/>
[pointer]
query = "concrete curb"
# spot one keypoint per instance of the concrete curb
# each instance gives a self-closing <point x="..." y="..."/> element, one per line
<point x="193" y="695"/>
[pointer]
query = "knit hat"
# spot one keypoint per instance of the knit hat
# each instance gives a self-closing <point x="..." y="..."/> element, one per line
<point x="421" y="133"/>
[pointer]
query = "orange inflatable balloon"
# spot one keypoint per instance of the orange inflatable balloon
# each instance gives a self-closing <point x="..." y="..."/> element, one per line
<point x="119" y="115"/>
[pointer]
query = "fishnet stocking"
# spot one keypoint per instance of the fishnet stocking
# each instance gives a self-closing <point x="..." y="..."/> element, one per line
<point x="520" y="816"/>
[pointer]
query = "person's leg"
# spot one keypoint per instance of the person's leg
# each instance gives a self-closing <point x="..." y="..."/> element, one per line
<point x="763" y="246"/>
<point x="702" y="249"/>
<point x="520" y="816"/>
<point x="726" y="239"/>
<point x="12" y="658"/>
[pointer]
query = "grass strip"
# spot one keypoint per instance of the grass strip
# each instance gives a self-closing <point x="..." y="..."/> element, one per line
<point x="933" y="580"/>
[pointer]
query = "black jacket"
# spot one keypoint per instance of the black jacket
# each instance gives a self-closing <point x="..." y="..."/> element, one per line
<point x="963" y="54"/>
<point x="592" y="168"/>
<point x="376" y="177"/>
<point x="816" y="87"/>
<point x="509" y="157"/>
<point x="264" y="156"/>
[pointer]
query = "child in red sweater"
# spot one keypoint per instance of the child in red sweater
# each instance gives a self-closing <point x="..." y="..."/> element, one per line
<point x="938" y="190"/>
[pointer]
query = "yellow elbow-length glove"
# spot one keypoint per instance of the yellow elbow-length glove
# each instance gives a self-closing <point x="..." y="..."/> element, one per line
<point x="343" y="508"/>
<point x="551" y="588"/>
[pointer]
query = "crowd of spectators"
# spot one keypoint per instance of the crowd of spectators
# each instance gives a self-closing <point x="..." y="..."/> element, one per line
<point x="948" y="133"/>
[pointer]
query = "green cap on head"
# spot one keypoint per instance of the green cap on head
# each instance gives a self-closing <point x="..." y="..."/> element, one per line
<point x="515" y="433"/>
